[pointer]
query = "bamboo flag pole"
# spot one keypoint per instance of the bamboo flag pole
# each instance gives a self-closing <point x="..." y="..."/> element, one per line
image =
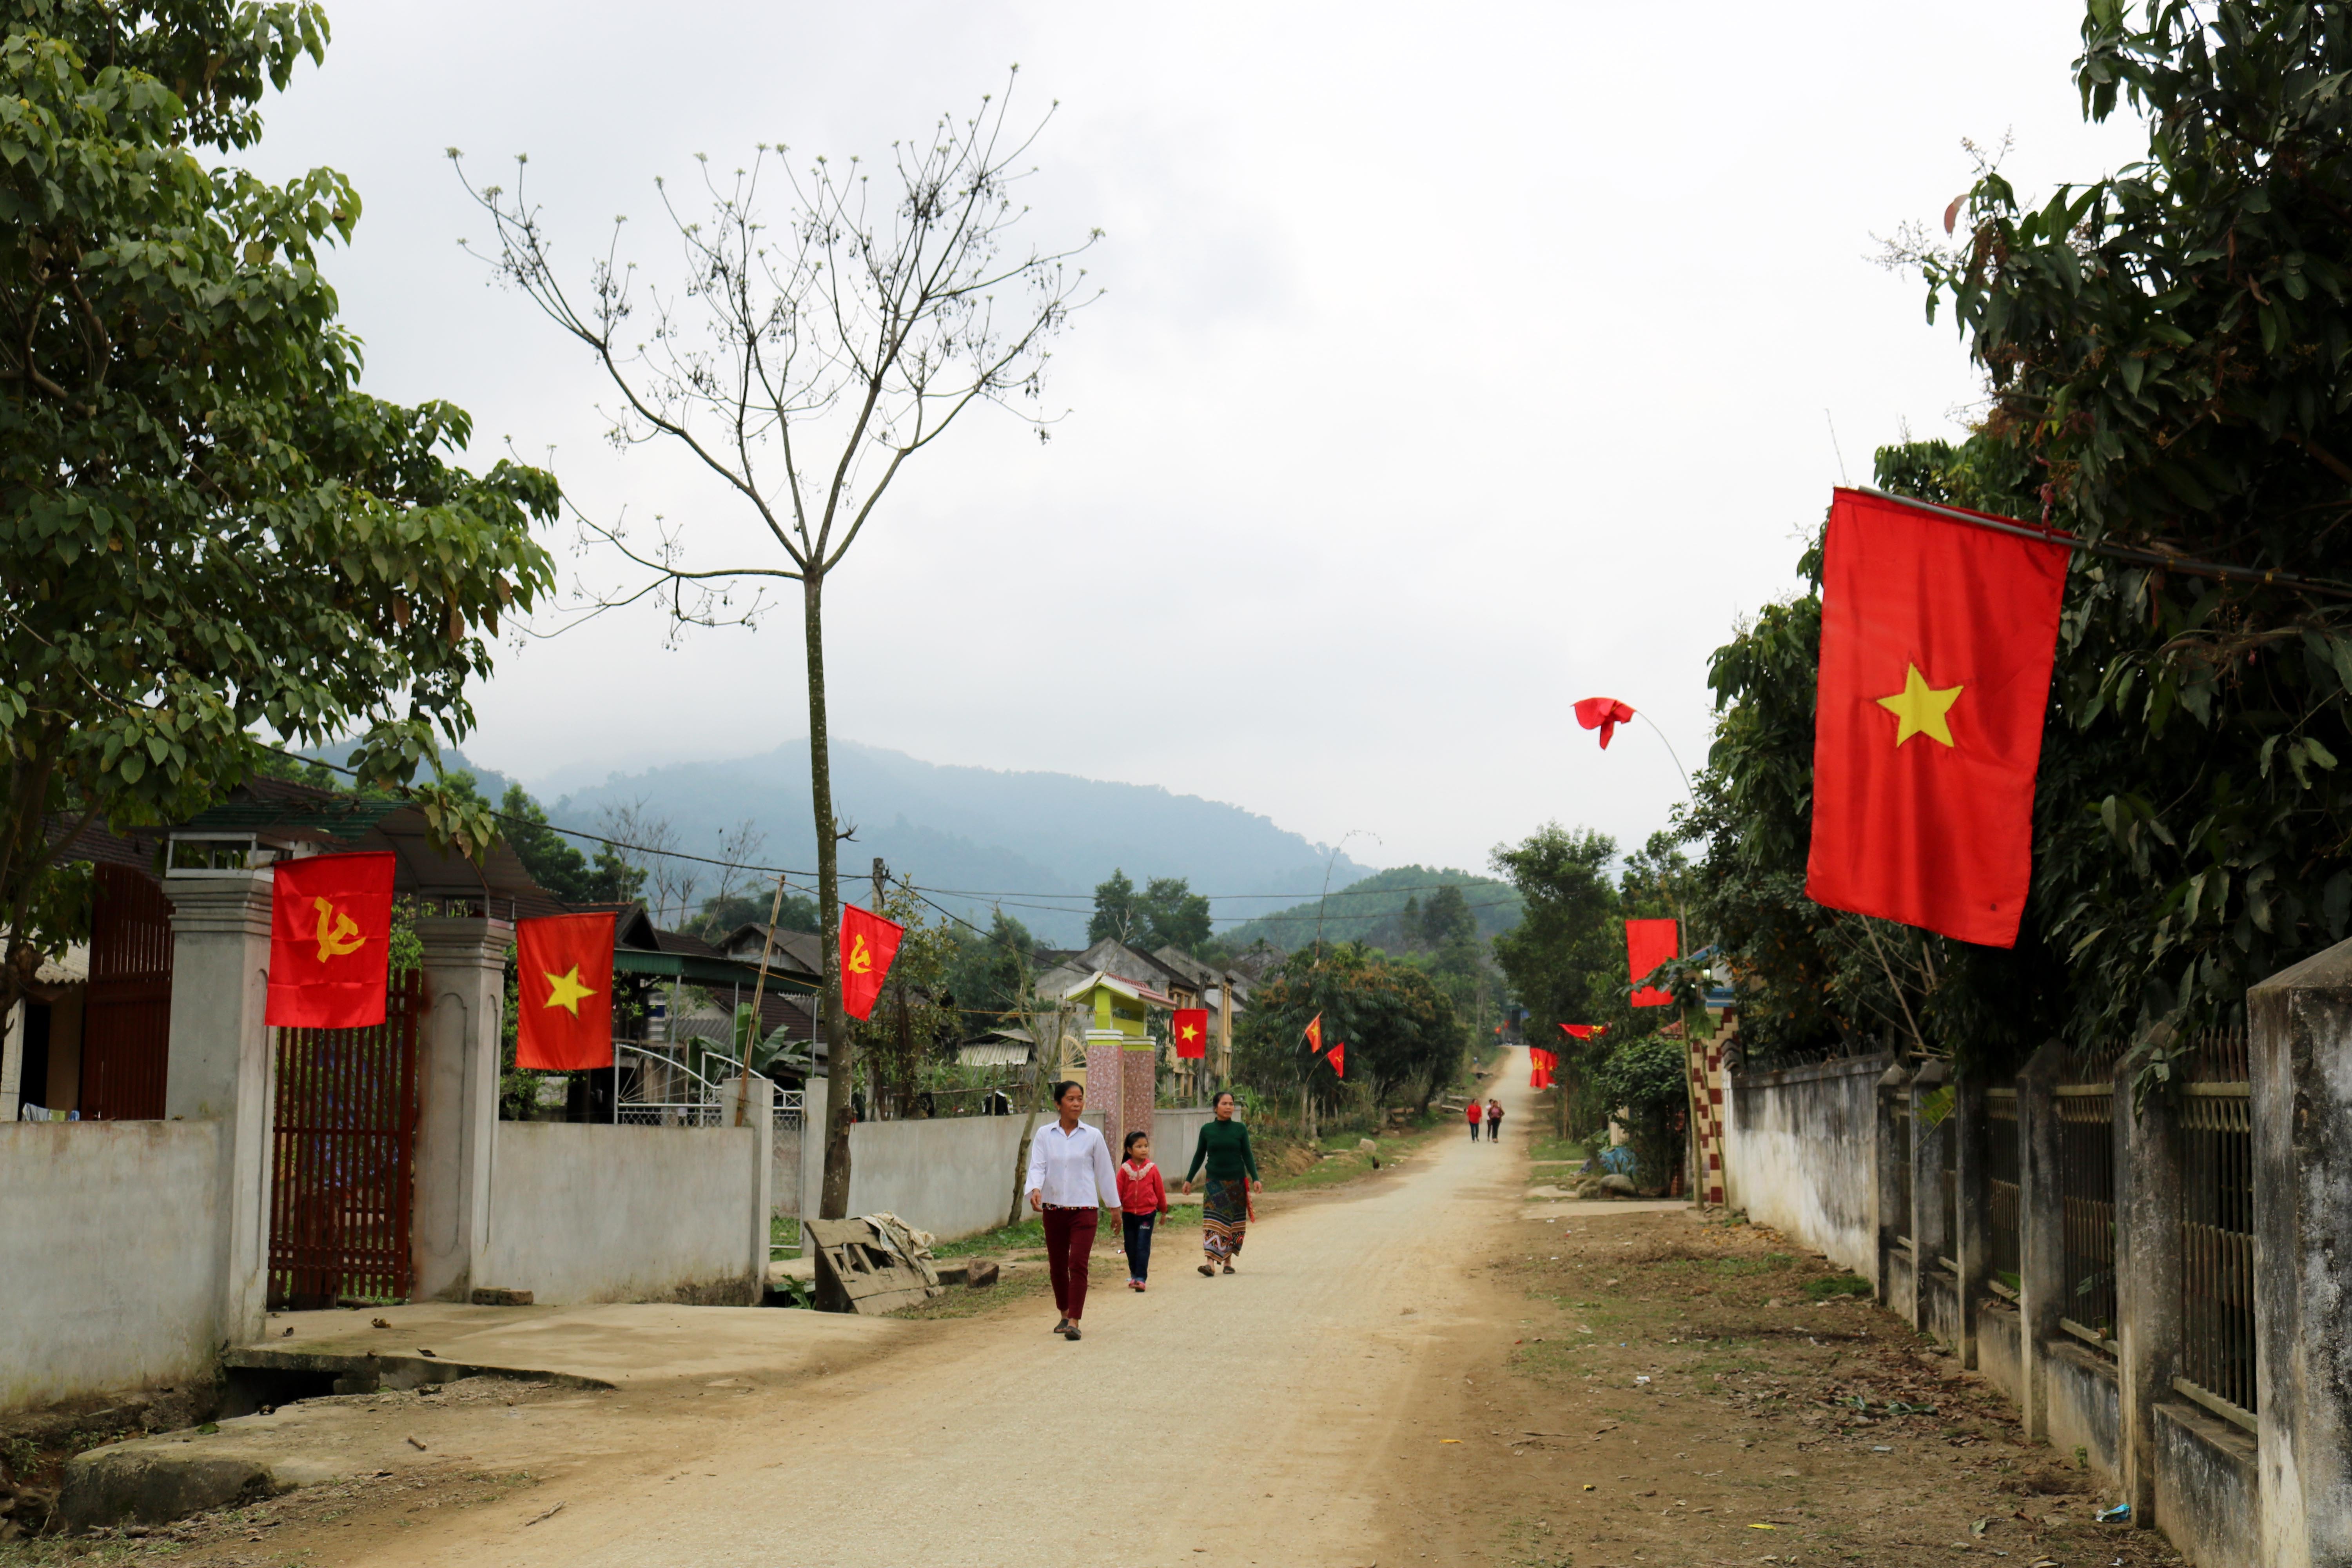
<point x="759" y="989"/>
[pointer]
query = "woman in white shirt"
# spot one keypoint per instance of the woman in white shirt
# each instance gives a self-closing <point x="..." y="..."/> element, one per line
<point x="1071" y="1181"/>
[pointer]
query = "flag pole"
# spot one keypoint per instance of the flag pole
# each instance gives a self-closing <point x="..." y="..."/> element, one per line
<point x="759" y="990"/>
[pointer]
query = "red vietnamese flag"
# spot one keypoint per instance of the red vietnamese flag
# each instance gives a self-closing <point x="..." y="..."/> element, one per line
<point x="868" y="944"/>
<point x="329" y="941"/>
<point x="1936" y="643"/>
<point x="1585" y="1031"/>
<point x="1189" y="1029"/>
<point x="1338" y="1057"/>
<point x="563" y="981"/>
<point x="1649" y="943"/>
<point x="1314" y="1033"/>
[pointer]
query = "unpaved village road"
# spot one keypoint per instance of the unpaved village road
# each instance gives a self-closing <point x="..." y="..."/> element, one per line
<point x="1421" y="1367"/>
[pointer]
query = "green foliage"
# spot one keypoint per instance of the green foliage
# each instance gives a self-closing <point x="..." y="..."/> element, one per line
<point x="1646" y="1077"/>
<point x="556" y="863"/>
<point x="722" y="913"/>
<point x="914" y="1024"/>
<point x="205" y="527"/>
<point x="1399" y="1027"/>
<point x="1567" y="953"/>
<point x="2170" y="349"/>
<point x="1832" y="1285"/>
<point x="1385" y="910"/>
<point x="991" y="971"/>
<point x="1166" y="913"/>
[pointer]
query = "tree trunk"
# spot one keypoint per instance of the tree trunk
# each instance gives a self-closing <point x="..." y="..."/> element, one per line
<point x="841" y="1055"/>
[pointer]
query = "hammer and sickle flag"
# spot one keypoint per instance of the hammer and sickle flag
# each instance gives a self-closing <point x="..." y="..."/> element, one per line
<point x="1314" y="1033"/>
<point x="868" y="944"/>
<point x="1189" y="1029"/>
<point x="329" y="941"/>
<point x="563" y="1002"/>
<point x="1937" y="637"/>
<point x="1338" y="1058"/>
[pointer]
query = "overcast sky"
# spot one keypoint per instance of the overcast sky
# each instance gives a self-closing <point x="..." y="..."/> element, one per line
<point x="1456" y="363"/>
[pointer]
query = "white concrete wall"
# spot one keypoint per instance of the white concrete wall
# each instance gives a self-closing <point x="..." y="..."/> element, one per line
<point x="584" y="1212"/>
<point x="1800" y="1154"/>
<point x="110" y="1272"/>
<point x="951" y="1176"/>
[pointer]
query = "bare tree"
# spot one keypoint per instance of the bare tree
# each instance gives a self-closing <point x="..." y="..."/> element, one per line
<point x="670" y="883"/>
<point x="738" y="846"/>
<point x="801" y="367"/>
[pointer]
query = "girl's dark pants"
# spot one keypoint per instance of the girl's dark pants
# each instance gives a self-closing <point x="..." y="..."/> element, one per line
<point x="1069" y="1238"/>
<point x="1135" y="1230"/>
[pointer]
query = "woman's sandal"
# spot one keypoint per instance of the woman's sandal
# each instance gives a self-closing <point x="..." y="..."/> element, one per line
<point x="1209" y="1270"/>
<point x="1062" y="1327"/>
<point x="1229" y="1269"/>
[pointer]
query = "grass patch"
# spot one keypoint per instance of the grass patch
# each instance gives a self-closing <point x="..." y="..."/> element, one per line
<point x="1734" y="1268"/>
<point x="1560" y="1149"/>
<point x="1029" y="1233"/>
<point x="783" y="1234"/>
<point x="959" y="1303"/>
<point x="1836" y="1285"/>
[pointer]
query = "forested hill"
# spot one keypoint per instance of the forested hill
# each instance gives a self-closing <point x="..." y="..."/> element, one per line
<point x="993" y="833"/>
<point x="1373" y="910"/>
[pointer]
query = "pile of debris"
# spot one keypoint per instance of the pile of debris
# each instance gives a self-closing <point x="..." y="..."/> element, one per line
<point x="871" y="1264"/>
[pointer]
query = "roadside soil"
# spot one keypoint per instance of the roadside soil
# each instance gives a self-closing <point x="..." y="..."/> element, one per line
<point x="1679" y="1391"/>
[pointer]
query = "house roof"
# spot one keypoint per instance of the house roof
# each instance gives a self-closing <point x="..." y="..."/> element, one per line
<point x="1132" y="989"/>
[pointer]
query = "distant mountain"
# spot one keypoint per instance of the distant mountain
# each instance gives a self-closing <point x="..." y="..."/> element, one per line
<point x="1367" y="910"/>
<point x="1033" y="839"/>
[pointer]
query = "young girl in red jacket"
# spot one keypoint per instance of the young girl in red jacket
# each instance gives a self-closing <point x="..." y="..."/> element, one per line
<point x="1142" y="1199"/>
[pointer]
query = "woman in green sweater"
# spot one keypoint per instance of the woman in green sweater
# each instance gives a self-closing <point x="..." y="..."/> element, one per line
<point x="1225" y="1148"/>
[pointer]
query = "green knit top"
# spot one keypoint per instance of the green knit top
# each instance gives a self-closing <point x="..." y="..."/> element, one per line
<point x="1224" y="1146"/>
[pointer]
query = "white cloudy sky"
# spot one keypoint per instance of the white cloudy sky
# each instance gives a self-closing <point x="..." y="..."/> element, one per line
<point x="1456" y="363"/>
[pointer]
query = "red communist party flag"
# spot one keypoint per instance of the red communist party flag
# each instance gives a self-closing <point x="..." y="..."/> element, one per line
<point x="563" y="978"/>
<point x="1338" y="1057"/>
<point x="1314" y="1033"/>
<point x="1189" y="1028"/>
<point x="329" y="941"/>
<point x="1583" y="1031"/>
<point x="1649" y="943"/>
<point x="1605" y="714"/>
<point x="1937" y="642"/>
<point x="868" y="944"/>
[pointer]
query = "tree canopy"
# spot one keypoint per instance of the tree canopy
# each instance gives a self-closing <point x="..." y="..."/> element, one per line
<point x="1400" y="1027"/>
<point x="206" y="527"/>
<point x="1165" y="913"/>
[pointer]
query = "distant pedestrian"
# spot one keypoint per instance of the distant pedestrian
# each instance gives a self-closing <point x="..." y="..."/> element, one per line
<point x="1142" y="1202"/>
<point x="1494" y="1122"/>
<point x="1477" y="1114"/>
<point x="1225" y="1148"/>
<point x="1071" y="1182"/>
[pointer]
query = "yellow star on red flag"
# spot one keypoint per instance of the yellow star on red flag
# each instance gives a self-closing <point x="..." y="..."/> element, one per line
<point x="1919" y="709"/>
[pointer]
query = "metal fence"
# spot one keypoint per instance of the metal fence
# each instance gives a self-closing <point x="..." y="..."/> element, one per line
<point x="2086" y="1211"/>
<point x="1901" y="1215"/>
<point x="2001" y="1167"/>
<point x="2217" y="1221"/>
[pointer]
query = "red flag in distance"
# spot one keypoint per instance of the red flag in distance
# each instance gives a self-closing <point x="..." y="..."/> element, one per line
<point x="1937" y="638"/>
<point x="563" y="986"/>
<point x="1314" y="1033"/>
<point x="1338" y="1058"/>
<point x="1190" y="1030"/>
<point x="329" y="941"/>
<point x="1649" y="943"/>
<point x="868" y="944"/>
<point x="1605" y="714"/>
<point x="1585" y="1031"/>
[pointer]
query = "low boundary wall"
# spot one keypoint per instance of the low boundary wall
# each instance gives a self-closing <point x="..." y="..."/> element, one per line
<point x="1801" y="1155"/>
<point x="110" y="1270"/>
<point x="585" y="1212"/>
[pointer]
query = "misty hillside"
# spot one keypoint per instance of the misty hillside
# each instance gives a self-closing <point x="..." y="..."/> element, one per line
<point x="1367" y="909"/>
<point x="974" y="829"/>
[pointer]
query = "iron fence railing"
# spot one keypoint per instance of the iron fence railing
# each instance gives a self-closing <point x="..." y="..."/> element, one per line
<point x="2086" y="1212"/>
<point x="2002" y="1192"/>
<point x="1901" y="1218"/>
<point x="2217" y="1224"/>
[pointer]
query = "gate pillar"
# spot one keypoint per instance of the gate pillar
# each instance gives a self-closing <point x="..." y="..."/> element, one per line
<point x="459" y="1061"/>
<point x="218" y="1068"/>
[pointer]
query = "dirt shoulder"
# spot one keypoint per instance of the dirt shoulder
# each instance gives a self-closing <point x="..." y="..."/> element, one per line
<point x="1678" y="1391"/>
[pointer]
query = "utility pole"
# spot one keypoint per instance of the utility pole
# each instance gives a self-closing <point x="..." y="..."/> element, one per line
<point x="873" y="1076"/>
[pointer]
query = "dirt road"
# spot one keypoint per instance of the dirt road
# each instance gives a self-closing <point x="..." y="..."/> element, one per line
<point x="1418" y="1368"/>
<point x="1263" y="1417"/>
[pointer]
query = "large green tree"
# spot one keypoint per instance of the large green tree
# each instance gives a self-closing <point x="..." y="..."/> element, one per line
<point x="1399" y="1027"/>
<point x="206" y="527"/>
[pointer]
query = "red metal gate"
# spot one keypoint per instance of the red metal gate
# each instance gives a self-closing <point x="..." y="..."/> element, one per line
<point x="345" y="1145"/>
<point x="126" y="1020"/>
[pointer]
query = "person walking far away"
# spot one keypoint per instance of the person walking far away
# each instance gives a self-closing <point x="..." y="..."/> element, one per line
<point x="1071" y="1182"/>
<point x="1142" y="1204"/>
<point x="1225" y="1148"/>
<point x="1494" y="1122"/>
<point x="1477" y="1114"/>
